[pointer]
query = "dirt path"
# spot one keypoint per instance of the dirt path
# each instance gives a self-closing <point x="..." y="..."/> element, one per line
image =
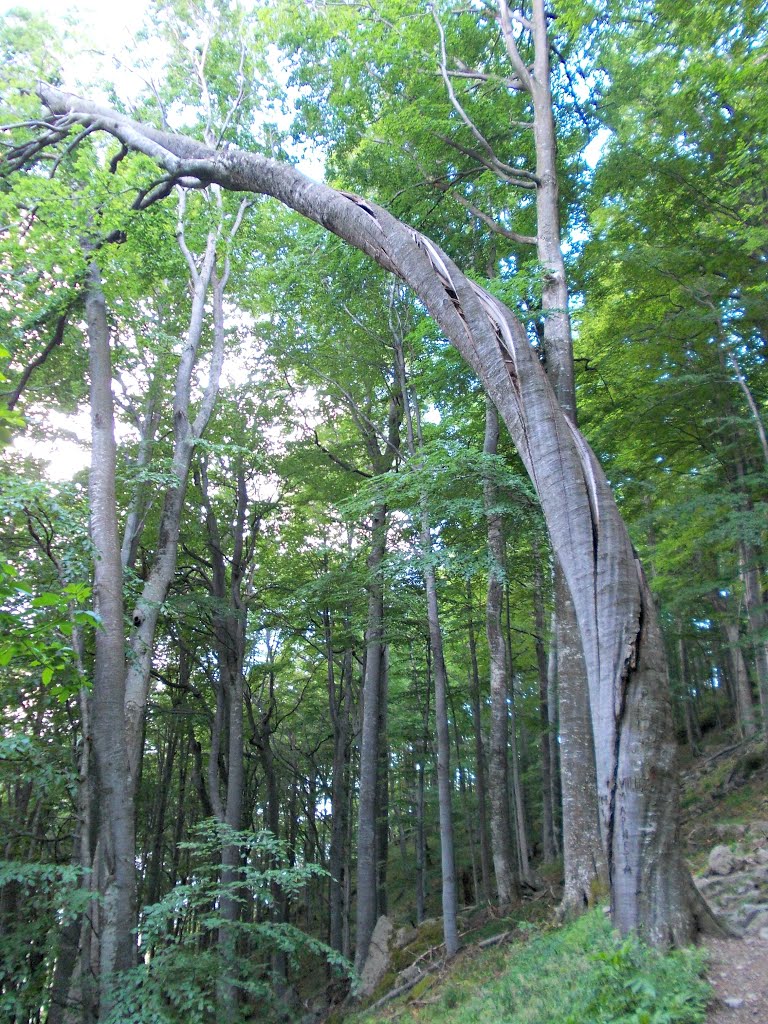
<point x="738" y="971"/>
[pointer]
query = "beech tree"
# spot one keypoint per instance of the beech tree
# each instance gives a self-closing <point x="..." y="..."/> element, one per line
<point x="651" y="889"/>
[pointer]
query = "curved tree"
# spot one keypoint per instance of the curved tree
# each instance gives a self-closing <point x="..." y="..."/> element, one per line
<point x="651" y="889"/>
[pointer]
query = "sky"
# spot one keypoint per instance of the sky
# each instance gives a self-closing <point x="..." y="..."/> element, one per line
<point x="103" y="24"/>
<point x="105" y="32"/>
<point x="106" y="27"/>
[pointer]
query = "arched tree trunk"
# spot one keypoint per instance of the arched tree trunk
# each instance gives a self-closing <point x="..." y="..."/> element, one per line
<point x="651" y="889"/>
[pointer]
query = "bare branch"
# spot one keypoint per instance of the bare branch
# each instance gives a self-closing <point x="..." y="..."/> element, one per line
<point x="491" y="155"/>
<point x="69" y="148"/>
<point x="238" y="99"/>
<point x="515" y="58"/>
<point x="181" y="239"/>
<point x="494" y="225"/>
<point x="56" y="339"/>
<point x="516" y="176"/>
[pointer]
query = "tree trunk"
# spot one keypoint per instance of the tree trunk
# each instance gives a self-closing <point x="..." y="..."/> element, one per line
<point x="745" y="711"/>
<point x="756" y="614"/>
<point x="651" y="888"/>
<point x="469" y="824"/>
<point x="382" y="791"/>
<point x="444" y="781"/>
<point x="481" y="785"/>
<point x="115" y="803"/>
<point x="498" y="763"/>
<point x="369" y="743"/>
<point x="554" y="732"/>
<point x="547" y="817"/>
<point x="517" y="796"/>
<point x="586" y="870"/>
<point x="340" y="707"/>
<point x="421" y="844"/>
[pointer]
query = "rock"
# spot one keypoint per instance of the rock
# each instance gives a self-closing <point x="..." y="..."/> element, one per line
<point x="733" y="1002"/>
<point x="731" y="830"/>
<point x="378" y="959"/>
<point x="404" y="937"/>
<point x="750" y="911"/>
<point x="761" y="855"/>
<point x="759" y="828"/>
<point x="757" y="922"/>
<point x="763" y="934"/>
<point x="411" y="972"/>
<point x="721" y="861"/>
<point x="714" y="883"/>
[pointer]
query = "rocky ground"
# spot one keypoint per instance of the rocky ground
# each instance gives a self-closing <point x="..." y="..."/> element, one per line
<point x="738" y="973"/>
<point x="730" y="793"/>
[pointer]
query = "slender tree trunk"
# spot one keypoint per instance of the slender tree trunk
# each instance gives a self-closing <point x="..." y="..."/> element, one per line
<point x="382" y="794"/>
<point x="187" y="431"/>
<point x="554" y="732"/>
<point x="692" y="731"/>
<point x="547" y="817"/>
<point x="165" y="771"/>
<point x="469" y="824"/>
<point x="229" y="627"/>
<point x="481" y="785"/>
<point x="756" y="614"/>
<point x="340" y="706"/>
<point x="517" y="795"/>
<point x="421" y="843"/>
<point x="444" y="781"/>
<point x="115" y="803"/>
<point x="369" y="743"/>
<point x="745" y="711"/>
<point x="367" y="873"/>
<point x="498" y="763"/>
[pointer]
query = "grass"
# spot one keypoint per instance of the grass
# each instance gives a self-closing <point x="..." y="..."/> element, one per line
<point x="581" y="974"/>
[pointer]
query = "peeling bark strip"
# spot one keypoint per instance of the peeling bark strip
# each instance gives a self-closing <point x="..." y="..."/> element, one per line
<point x="634" y="746"/>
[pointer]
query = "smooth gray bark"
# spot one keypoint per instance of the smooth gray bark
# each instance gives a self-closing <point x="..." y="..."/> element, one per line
<point x="115" y="803"/>
<point x="545" y="740"/>
<point x="651" y="889"/>
<point x="480" y="772"/>
<point x="498" y="764"/>
<point x="230" y="592"/>
<point x="444" y="780"/>
<point x="586" y="870"/>
<point x="367" y="876"/>
<point x="585" y="861"/>
<point x="186" y="432"/>
<point x="340" y="707"/>
<point x="381" y="461"/>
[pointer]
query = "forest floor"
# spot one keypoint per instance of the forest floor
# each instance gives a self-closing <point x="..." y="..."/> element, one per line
<point x="725" y="800"/>
<point x="725" y="808"/>
<point x="738" y="974"/>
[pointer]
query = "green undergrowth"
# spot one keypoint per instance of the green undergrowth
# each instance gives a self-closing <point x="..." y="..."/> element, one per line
<point x="583" y="973"/>
<point x="721" y="795"/>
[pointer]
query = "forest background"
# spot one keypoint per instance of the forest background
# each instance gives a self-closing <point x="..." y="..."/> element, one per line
<point x="304" y="510"/>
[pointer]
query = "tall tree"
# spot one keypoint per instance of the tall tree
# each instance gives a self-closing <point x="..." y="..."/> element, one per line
<point x="651" y="889"/>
